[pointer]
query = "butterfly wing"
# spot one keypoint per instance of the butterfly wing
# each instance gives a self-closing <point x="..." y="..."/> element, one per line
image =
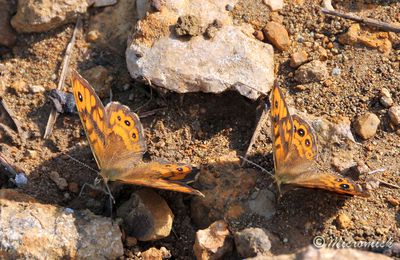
<point x="330" y="182"/>
<point x="92" y="113"/>
<point x="302" y="151"/>
<point x="295" y="150"/>
<point x="282" y="128"/>
<point x="125" y="142"/>
<point x="162" y="176"/>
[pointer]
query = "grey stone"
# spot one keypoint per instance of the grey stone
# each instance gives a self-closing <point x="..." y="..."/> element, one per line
<point x="251" y="242"/>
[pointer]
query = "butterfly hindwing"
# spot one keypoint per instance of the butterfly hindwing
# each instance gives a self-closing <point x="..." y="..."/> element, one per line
<point x="162" y="176"/>
<point x="330" y="182"/>
<point x="125" y="142"/>
<point x="304" y="139"/>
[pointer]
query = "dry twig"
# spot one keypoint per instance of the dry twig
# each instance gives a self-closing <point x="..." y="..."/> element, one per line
<point x="256" y="133"/>
<point x="54" y="114"/>
<point x="367" y="21"/>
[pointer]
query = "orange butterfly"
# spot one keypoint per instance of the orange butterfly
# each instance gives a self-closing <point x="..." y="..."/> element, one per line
<point x="295" y="150"/>
<point x="116" y="138"/>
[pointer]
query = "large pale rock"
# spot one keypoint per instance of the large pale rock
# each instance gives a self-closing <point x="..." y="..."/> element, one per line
<point x="146" y="216"/>
<point x="31" y="230"/>
<point x="44" y="15"/>
<point x="311" y="253"/>
<point x="232" y="59"/>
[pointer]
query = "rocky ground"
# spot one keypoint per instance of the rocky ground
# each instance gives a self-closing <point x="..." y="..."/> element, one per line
<point x="341" y="76"/>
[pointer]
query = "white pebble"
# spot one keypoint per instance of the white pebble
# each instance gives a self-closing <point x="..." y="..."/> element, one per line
<point x="20" y="179"/>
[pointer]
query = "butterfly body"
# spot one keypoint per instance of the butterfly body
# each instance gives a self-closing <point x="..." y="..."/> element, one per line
<point x="116" y="138"/>
<point x="295" y="150"/>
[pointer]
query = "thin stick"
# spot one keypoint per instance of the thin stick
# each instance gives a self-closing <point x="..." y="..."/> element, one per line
<point x="367" y="21"/>
<point x="261" y="122"/>
<point x="7" y="166"/>
<point x="7" y="117"/>
<point x="377" y="170"/>
<point x="151" y="112"/>
<point x="388" y="184"/>
<point x="54" y="114"/>
<point x="151" y="96"/>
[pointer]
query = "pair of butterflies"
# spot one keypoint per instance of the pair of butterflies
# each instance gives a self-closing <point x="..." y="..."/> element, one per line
<point x="116" y="138"/>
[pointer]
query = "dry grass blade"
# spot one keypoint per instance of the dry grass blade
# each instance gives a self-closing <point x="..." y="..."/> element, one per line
<point x="54" y="114"/>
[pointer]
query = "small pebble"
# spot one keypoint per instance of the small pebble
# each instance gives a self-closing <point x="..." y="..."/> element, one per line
<point x="229" y="8"/>
<point x="68" y="210"/>
<point x="73" y="187"/>
<point x="394" y="115"/>
<point x="259" y="35"/>
<point x="366" y="125"/>
<point x="37" y="89"/>
<point x="67" y="196"/>
<point x="393" y="201"/>
<point x="92" y="36"/>
<point x="386" y="98"/>
<point x="298" y="58"/>
<point x="130" y="241"/>
<point x="19" y="86"/>
<point x="343" y="221"/>
<point x="336" y="71"/>
<point x="20" y="179"/>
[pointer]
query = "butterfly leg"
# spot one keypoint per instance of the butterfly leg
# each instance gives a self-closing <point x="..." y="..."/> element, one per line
<point x="93" y="186"/>
<point x="108" y="192"/>
<point x="279" y="192"/>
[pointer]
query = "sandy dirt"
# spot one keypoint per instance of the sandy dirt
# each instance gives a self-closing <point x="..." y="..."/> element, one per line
<point x="195" y="128"/>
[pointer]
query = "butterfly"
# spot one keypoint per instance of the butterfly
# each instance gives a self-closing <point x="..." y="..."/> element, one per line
<point x="116" y="138"/>
<point x="295" y="150"/>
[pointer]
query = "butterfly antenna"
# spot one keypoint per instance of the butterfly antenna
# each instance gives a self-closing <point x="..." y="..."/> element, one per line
<point x="81" y="163"/>
<point x="111" y="199"/>
<point x="259" y="91"/>
<point x="258" y="166"/>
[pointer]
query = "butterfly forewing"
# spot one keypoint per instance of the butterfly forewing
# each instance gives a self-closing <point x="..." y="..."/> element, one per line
<point x="91" y="112"/>
<point x="282" y="127"/>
